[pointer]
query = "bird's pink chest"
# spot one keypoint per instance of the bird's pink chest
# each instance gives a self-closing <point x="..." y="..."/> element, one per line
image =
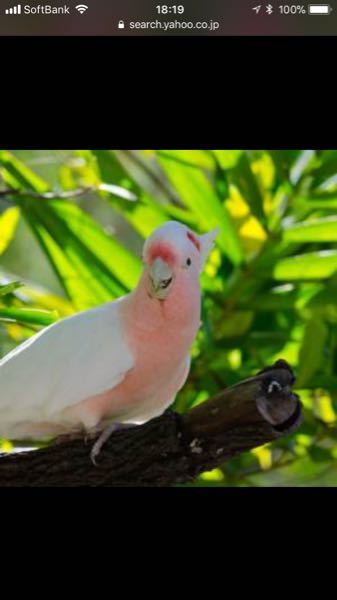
<point x="160" y="347"/>
<point x="159" y="336"/>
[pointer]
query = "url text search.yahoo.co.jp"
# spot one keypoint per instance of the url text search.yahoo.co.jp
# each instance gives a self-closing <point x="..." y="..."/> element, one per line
<point x="210" y="25"/>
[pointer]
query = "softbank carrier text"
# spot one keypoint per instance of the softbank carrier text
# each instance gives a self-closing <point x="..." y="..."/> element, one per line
<point x="46" y="9"/>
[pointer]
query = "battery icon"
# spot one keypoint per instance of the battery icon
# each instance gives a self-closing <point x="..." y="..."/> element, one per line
<point x="319" y="9"/>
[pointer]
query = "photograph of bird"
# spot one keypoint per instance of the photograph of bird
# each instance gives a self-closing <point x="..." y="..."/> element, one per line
<point x="118" y="364"/>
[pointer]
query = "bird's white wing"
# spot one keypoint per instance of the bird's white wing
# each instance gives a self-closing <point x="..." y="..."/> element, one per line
<point x="65" y="363"/>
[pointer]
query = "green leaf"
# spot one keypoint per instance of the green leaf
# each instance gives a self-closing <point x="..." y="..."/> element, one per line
<point x="301" y="166"/>
<point x="320" y="230"/>
<point x="243" y="178"/>
<point x="10" y="287"/>
<point x="301" y="472"/>
<point x="238" y="324"/>
<point x="311" y="355"/>
<point x="227" y="159"/>
<point x="122" y="264"/>
<point x="325" y="202"/>
<point x="283" y="161"/>
<point x="74" y="275"/>
<point x="272" y="302"/>
<point x="92" y="266"/>
<point x="114" y="179"/>
<point x="322" y="302"/>
<point x="28" y="315"/>
<point x="144" y="214"/>
<point x="198" y="194"/>
<point x="313" y="265"/>
<point x="191" y="158"/>
<point x="136" y="172"/>
<point x="327" y="382"/>
<point x="43" y="299"/>
<point x="8" y="223"/>
<point x="18" y="175"/>
<point x="326" y="170"/>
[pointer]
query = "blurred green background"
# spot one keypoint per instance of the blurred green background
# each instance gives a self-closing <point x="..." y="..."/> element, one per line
<point x="72" y="225"/>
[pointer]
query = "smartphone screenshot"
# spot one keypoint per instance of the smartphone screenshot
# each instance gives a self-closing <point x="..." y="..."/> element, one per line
<point x="168" y="244"/>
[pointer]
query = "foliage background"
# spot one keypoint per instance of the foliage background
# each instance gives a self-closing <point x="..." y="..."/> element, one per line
<point x="72" y="224"/>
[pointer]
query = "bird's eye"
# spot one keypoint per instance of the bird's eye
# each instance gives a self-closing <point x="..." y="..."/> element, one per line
<point x="188" y="262"/>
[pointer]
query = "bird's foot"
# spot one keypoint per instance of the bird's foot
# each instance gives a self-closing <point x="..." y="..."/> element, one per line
<point x="104" y="436"/>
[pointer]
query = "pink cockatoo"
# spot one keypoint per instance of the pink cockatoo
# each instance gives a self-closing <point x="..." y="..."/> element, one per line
<point x="120" y="363"/>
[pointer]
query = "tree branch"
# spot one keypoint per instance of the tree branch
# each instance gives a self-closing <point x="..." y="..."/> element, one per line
<point x="115" y="190"/>
<point x="49" y="195"/>
<point x="172" y="448"/>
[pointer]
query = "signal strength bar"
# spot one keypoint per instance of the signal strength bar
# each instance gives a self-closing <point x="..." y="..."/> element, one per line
<point x="15" y="10"/>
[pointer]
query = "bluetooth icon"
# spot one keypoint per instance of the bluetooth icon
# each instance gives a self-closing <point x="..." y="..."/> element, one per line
<point x="269" y="9"/>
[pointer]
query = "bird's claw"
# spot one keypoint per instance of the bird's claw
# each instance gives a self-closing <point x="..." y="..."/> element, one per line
<point x="94" y="452"/>
<point x="102" y="438"/>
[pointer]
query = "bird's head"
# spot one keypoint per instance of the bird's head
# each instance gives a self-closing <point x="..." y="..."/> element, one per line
<point x="171" y="251"/>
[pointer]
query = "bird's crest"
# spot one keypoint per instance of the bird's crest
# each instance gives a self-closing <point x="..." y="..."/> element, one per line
<point x="194" y="240"/>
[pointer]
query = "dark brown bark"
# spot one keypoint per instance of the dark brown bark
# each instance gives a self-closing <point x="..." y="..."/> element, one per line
<point x="172" y="448"/>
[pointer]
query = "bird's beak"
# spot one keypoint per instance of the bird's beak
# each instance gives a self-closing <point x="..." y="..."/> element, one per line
<point x="161" y="277"/>
<point x="206" y="243"/>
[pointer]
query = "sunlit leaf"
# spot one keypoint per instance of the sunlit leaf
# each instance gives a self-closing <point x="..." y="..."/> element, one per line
<point x="92" y="266"/>
<point x="243" y="178"/>
<point x="264" y="171"/>
<point x="320" y="230"/>
<point x="8" y="223"/>
<point x="227" y="158"/>
<point x="46" y="300"/>
<point x="197" y="193"/>
<point x="145" y="175"/>
<point x="6" y="446"/>
<point x="323" y="407"/>
<point x="264" y="456"/>
<point x="115" y="258"/>
<point x="302" y="164"/>
<point x="312" y="351"/>
<point x="322" y="201"/>
<point x="326" y="170"/>
<point x="18" y="331"/>
<point x="283" y="161"/>
<point x="303" y="472"/>
<point x="313" y="265"/>
<point x="200" y="398"/>
<point x="25" y="315"/>
<point x="214" y="475"/>
<point x="195" y="158"/>
<point x="88" y="263"/>
<point x="9" y="287"/>
<point x="18" y="175"/>
<point x="251" y="232"/>
<point x="144" y="213"/>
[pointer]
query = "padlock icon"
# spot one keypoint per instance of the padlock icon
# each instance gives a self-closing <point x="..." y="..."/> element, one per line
<point x="121" y="25"/>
